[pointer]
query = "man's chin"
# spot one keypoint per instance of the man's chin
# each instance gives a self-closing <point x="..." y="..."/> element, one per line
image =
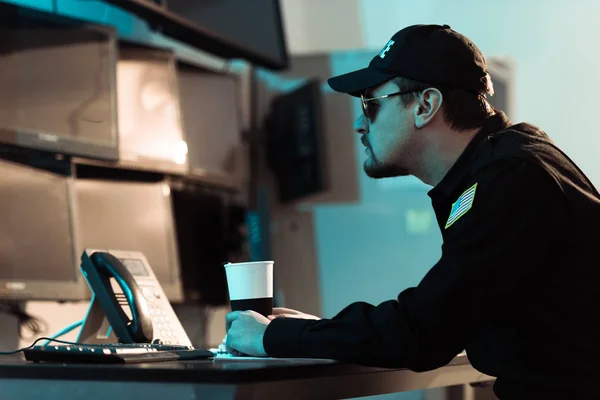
<point x="383" y="171"/>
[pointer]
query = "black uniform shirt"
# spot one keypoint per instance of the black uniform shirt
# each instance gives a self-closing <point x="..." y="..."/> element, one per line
<point x="517" y="285"/>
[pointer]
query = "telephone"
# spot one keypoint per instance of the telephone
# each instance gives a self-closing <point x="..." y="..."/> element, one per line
<point x="126" y="296"/>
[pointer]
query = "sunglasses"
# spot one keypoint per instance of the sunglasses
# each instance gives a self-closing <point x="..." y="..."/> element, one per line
<point x="370" y="113"/>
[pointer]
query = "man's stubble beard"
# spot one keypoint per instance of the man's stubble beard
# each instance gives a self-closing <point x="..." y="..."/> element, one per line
<point x="377" y="170"/>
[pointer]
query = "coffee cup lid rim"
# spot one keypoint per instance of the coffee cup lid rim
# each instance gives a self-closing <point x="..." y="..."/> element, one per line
<point x="229" y="264"/>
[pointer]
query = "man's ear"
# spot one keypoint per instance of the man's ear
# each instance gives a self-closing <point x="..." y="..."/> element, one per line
<point x="427" y="106"/>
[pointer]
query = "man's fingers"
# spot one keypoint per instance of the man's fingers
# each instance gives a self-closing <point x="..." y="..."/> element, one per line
<point x="229" y="318"/>
<point x="283" y="310"/>
<point x="230" y="337"/>
<point x="272" y="317"/>
<point x="229" y="343"/>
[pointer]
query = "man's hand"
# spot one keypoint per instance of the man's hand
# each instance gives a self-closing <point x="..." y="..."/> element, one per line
<point x="289" y="313"/>
<point x="245" y="331"/>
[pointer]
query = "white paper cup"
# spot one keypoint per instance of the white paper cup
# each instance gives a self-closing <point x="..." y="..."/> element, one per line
<point x="250" y="286"/>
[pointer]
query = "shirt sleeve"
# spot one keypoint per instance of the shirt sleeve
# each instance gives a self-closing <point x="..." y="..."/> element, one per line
<point x="488" y="255"/>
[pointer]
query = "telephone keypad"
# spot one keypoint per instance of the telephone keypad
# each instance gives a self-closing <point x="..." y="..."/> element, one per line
<point x="163" y="327"/>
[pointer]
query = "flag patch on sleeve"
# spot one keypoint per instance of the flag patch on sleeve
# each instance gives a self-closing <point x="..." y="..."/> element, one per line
<point x="462" y="205"/>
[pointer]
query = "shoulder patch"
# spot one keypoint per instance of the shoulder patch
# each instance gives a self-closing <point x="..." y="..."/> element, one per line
<point x="462" y="205"/>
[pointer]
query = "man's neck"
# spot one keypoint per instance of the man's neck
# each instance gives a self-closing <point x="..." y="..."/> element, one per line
<point x="441" y="155"/>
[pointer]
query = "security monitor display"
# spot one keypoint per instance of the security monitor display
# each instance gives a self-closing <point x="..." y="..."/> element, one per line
<point x="37" y="259"/>
<point x="254" y="26"/>
<point x="502" y="74"/>
<point x="295" y="142"/>
<point x="500" y="98"/>
<point x="201" y="221"/>
<point x="130" y="216"/>
<point x="211" y="117"/>
<point x="57" y="81"/>
<point x="149" y="117"/>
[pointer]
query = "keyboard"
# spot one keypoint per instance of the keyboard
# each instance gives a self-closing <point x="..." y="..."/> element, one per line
<point x="114" y="353"/>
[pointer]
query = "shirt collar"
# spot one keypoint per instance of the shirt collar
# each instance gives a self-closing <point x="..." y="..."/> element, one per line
<point x="450" y="181"/>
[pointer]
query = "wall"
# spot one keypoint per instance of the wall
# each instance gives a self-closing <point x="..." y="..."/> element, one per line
<point x="319" y="26"/>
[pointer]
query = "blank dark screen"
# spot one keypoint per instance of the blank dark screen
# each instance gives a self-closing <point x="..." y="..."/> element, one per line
<point x="35" y="232"/>
<point x="210" y="112"/>
<point x="58" y="81"/>
<point x="254" y="24"/>
<point x="499" y="99"/>
<point x="129" y="216"/>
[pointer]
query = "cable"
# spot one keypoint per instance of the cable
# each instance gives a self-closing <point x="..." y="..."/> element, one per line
<point x="35" y="325"/>
<point x="64" y="331"/>
<point x="8" y="353"/>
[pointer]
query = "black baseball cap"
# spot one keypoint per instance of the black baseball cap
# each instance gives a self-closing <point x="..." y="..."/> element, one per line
<point x="433" y="54"/>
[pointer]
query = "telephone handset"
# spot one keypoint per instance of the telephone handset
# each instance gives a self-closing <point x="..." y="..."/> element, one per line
<point x="139" y="328"/>
<point x="126" y="292"/>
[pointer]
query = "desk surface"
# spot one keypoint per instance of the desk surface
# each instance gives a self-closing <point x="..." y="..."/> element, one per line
<point x="223" y="379"/>
<point x="200" y="371"/>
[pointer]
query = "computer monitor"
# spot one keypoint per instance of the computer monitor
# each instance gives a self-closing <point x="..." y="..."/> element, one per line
<point x="57" y="80"/>
<point x="255" y="26"/>
<point x="130" y="216"/>
<point x="201" y="220"/>
<point x="38" y="260"/>
<point x="251" y="30"/>
<point x="150" y="128"/>
<point x="211" y="119"/>
<point x="295" y="142"/>
<point x="502" y="72"/>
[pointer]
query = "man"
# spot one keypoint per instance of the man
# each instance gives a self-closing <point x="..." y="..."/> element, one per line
<point x="518" y="282"/>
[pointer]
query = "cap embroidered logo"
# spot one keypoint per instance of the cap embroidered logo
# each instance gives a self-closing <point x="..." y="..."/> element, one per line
<point x="387" y="48"/>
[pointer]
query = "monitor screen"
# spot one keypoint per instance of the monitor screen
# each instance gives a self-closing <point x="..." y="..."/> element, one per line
<point x="211" y="119"/>
<point x="502" y="74"/>
<point x="58" y="84"/>
<point x="254" y="25"/>
<point x="37" y="255"/>
<point x="150" y="130"/>
<point x="201" y="223"/>
<point x="295" y="142"/>
<point x="250" y="30"/>
<point x="500" y="98"/>
<point x="130" y="216"/>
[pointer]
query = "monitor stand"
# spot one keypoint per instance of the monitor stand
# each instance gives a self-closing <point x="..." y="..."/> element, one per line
<point x="95" y="328"/>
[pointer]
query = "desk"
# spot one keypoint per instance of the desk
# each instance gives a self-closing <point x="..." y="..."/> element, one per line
<point x="219" y="379"/>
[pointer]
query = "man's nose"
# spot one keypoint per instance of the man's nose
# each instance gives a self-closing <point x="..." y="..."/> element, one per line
<point x="361" y="126"/>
